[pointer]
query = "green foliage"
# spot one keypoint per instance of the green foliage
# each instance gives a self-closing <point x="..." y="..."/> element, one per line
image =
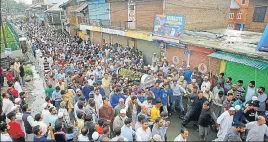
<point x="28" y="71"/>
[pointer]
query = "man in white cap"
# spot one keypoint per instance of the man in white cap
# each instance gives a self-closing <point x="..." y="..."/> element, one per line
<point x="205" y="84"/>
<point x="95" y="136"/>
<point x="120" y="106"/>
<point x="120" y="119"/>
<point x="155" y="58"/>
<point x="45" y="111"/>
<point x="224" y="123"/>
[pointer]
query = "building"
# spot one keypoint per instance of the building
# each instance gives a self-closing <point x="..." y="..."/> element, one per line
<point x="257" y="16"/>
<point x="237" y="15"/>
<point x="200" y="14"/>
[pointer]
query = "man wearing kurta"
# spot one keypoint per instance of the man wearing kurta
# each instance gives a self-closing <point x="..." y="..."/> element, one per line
<point x="106" y="81"/>
<point x="224" y="123"/>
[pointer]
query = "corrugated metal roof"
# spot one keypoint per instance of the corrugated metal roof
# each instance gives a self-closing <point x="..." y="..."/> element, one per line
<point x="82" y="7"/>
<point x="261" y="65"/>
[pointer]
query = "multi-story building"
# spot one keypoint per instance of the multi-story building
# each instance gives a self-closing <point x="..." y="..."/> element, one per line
<point x="257" y="15"/>
<point x="237" y="15"/>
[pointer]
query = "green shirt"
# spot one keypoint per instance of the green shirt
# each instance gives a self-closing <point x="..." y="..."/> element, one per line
<point x="49" y="91"/>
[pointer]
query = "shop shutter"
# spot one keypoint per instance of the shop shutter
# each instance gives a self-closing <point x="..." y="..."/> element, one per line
<point x="106" y="37"/>
<point x="97" y="37"/>
<point x="119" y="39"/>
<point x="246" y="73"/>
<point x="148" y="48"/>
<point x="175" y="55"/>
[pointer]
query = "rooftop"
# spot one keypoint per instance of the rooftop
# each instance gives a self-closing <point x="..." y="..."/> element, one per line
<point x="239" y="42"/>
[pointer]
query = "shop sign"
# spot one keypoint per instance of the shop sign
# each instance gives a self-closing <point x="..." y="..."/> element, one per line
<point x="85" y="27"/>
<point x="113" y="31"/>
<point x="169" y="26"/>
<point x="147" y="81"/>
<point x="139" y="35"/>
<point x="130" y="74"/>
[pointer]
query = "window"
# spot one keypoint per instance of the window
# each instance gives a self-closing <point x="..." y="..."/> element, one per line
<point x="259" y="14"/>
<point x="243" y="1"/>
<point x="231" y="15"/>
<point x="239" y="15"/>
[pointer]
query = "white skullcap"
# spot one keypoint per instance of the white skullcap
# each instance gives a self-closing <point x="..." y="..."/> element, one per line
<point x="254" y="98"/>
<point x="237" y="107"/>
<point x="123" y="111"/>
<point x="232" y="108"/>
<point x="121" y="99"/>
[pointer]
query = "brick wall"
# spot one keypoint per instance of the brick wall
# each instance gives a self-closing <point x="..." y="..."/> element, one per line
<point x="119" y="11"/>
<point x="201" y="14"/>
<point x="255" y="26"/>
<point x="145" y="12"/>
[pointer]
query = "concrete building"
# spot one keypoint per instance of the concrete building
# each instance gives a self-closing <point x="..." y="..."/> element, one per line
<point x="237" y="15"/>
<point x="200" y="14"/>
<point x="257" y="15"/>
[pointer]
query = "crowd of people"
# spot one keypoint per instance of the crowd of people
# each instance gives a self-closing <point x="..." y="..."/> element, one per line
<point x="87" y="99"/>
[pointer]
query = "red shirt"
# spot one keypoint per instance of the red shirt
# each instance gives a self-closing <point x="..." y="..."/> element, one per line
<point x="14" y="92"/>
<point x="9" y="76"/>
<point x="15" y="130"/>
<point x="99" y="129"/>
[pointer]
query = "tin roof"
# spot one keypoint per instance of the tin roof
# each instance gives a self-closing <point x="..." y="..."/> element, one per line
<point x="261" y="65"/>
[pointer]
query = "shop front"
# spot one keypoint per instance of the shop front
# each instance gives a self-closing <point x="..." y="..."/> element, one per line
<point x="243" y="68"/>
<point x="199" y="59"/>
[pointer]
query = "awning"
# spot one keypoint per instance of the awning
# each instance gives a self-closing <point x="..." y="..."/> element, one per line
<point x="261" y="65"/>
<point x="80" y="8"/>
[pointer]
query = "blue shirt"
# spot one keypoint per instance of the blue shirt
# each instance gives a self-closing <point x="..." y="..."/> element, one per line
<point x="102" y="92"/>
<point x="42" y="139"/>
<point x="141" y="98"/>
<point x="156" y="92"/>
<point x="187" y="75"/>
<point x="115" y="99"/>
<point x="164" y="96"/>
<point x="56" y="96"/>
<point x="127" y="133"/>
<point x="86" y="91"/>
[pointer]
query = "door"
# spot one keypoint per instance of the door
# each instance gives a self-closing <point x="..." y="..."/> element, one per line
<point x="237" y="27"/>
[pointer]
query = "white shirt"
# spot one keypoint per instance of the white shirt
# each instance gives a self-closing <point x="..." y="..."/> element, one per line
<point x="7" y="106"/>
<point x="17" y="87"/>
<point x="129" y="99"/>
<point x="43" y="126"/>
<point x="177" y="89"/>
<point x="179" y="138"/>
<point x="82" y="138"/>
<point x="90" y="82"/>
<point x="45" y="114"/>
<point x="143" y="135"/>
<point x="225" y="120"/>
<point x="98" y="101"/>
<point x="205" y="85"/>
<point x="5" y="137"/>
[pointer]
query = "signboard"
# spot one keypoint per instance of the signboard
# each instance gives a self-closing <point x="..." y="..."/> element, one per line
<point x="8" y="51"/>
<point x="263" y="44"/>
<point x="131" y="15"/>
<point x="112" y="31"/>
<point x="169" y="26"/>
<point x="130" y="74"/>
<point x="147" y="81"/>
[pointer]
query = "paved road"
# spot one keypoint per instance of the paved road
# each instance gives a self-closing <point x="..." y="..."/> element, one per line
<point x="175" y="127"/>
